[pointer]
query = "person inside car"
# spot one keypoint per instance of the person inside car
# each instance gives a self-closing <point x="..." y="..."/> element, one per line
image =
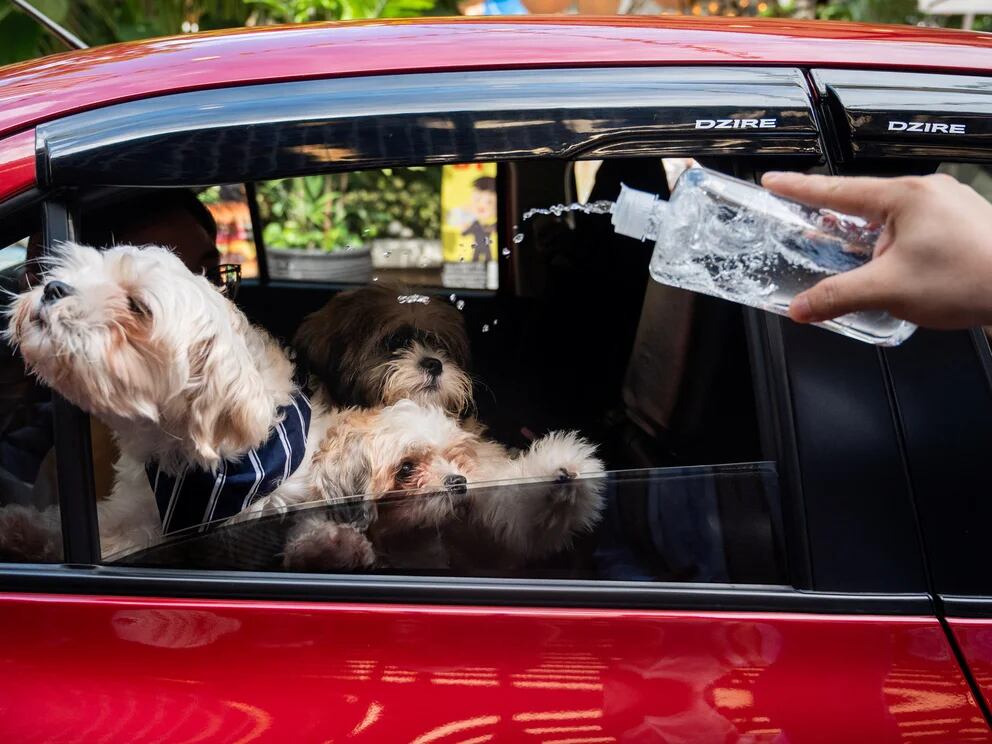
<point x="933" y="263"/>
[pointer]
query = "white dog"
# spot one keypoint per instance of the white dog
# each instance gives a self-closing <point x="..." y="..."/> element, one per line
<point x="419" y="466"/>
<point x="203" y="405"/>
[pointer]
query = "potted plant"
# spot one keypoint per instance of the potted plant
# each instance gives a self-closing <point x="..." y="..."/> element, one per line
<point x="338" y="227"/>
<point x="306" y="233"/>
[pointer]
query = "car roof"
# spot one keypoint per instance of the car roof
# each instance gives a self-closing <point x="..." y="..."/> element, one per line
<point x="57" y="85"/>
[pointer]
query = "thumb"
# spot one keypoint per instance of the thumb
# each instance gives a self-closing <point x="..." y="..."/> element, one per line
<point x="838" y="295"/>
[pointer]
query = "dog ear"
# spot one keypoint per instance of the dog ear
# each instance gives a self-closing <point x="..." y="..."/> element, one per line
<point x="343" y="475"/>
<point x="319" y="343"/>
<point x="229" y="408"/>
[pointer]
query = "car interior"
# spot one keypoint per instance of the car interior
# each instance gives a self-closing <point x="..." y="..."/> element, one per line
<point x="577" y="337"/>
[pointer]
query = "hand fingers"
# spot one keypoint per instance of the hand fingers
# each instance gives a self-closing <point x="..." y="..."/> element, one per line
<point x="860" y="289"/>
<point x="867" y="197"/>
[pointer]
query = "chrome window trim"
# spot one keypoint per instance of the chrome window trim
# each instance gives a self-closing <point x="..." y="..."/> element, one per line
<point x="230" y="585"/>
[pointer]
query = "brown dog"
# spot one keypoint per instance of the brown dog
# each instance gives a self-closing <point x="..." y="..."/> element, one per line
<point x="378" y="345"/>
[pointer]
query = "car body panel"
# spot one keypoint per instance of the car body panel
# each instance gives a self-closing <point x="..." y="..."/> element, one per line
<point x="166" y="670"/>
<point x="974" y="637"/>
<point x="17" y="164"/>
<point x="54" y="86"/>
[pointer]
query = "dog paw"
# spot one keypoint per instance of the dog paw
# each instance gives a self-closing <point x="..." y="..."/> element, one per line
<point x="562" y="457"/>
<point x="321" y="545"/>
<point x="29" y="536"/>
<point x="356" y="511"/>
<point x="572" y="500"/>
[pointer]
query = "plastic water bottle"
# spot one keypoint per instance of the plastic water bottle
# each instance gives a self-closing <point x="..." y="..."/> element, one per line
<point x="733" y="239"/>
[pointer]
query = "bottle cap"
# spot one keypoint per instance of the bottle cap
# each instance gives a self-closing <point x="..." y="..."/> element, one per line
<point x="634" y="214"/>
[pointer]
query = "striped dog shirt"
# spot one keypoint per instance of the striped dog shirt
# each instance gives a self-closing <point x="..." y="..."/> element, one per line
<point x="195" y="497"/>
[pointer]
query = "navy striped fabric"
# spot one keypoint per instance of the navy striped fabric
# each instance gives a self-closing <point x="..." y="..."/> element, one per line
<point x="196" y="497"/>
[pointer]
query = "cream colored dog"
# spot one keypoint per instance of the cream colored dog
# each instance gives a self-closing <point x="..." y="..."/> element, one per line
<point x="173" y="368"/>
<point x="419" y="470"/>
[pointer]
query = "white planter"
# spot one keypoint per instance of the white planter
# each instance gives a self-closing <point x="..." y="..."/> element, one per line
<point x="406" y="253"/>
<point x="353" y="265"/>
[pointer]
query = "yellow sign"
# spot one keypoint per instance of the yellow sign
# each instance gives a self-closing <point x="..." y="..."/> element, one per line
<point x="468" y="207"/>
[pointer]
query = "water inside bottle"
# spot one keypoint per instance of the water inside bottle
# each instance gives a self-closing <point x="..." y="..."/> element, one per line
<point x="734" y="240"/>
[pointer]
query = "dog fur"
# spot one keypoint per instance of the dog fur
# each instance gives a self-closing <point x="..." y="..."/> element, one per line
<point x="377" y="345"/>
<point x="172" y="367"/>
<point x="417" y="467"/>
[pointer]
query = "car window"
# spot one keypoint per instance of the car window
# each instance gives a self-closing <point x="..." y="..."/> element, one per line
<point x="432" y="226"/>
<point x="607" y="427"/>
<point x="945" y="403"/>
<point x="29" y="518"/>
<point x="228" y="205"/>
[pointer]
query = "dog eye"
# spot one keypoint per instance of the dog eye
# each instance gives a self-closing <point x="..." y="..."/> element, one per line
<point x="138" y="307"/>
<point x="406" y="469"/>
<point x="399" y="339"/>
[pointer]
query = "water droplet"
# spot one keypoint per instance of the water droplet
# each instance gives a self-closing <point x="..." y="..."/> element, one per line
<point x="518" y="238"/>
<point x="386" y="254"/>
<point x="375" y="278"/>
<point x="452" y="298"/>
<point x="485" y="328"/>
<point x="495" y="321"/>
<point x="506" y="252"/>
<point x="460" y="304"/>
<point x="596" y="207"/>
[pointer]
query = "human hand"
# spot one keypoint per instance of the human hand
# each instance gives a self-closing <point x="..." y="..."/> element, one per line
<point x="932" y="264"/>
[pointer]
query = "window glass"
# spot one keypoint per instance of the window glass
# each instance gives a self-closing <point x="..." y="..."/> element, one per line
<point x="29" y="519"/>
<point x="582" y="422"/>
<point x="943" y="381"/>
<point x="428" y="226"/>
<point x="695" y="524"/>
<point x="228" y="206"/>
<point x="976" y="175"/>
<point x="13" y="254"/>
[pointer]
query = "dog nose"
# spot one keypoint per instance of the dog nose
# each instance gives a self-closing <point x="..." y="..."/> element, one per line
<point x="54" y="291"/>
<point x="455" y="483"/>
<point x="432" y="365"/>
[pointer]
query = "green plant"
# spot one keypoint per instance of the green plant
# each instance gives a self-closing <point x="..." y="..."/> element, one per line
<point x="106" y="21"/>
<point x="332" y="212"/>
<point x="301" y="11"/>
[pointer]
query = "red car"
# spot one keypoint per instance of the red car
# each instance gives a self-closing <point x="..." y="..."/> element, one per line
<point x="795" y="544"/>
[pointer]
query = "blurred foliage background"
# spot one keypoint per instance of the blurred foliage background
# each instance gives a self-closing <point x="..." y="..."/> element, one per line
<point x="107" y="21"/>
<point x="348" y="209"/>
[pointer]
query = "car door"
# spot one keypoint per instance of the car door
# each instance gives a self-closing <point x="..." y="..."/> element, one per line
<point x="914" y="124"/>
<point x="831" y="636"/>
